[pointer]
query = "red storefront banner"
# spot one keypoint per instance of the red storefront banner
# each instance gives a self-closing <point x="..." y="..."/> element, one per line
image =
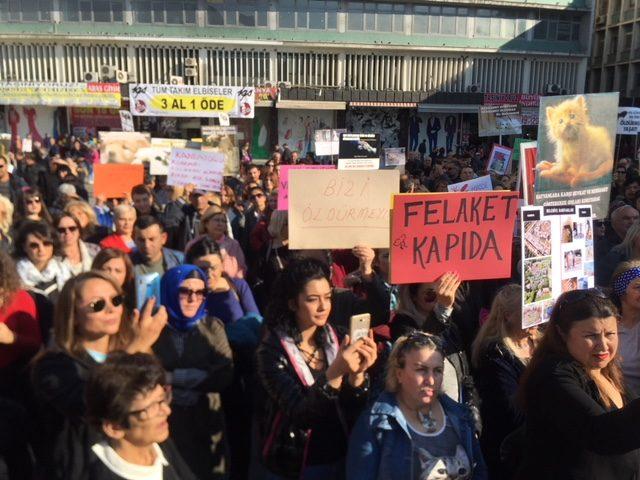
<point x="95" y="118"/>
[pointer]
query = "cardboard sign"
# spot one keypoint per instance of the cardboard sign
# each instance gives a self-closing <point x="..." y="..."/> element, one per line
<point x="340" y="209"/>
<point x="480" y="184"/>
<point x="283" y="181"/>
<point x="159" y="154"/>
<point x="557" y="253"/>
<point x="223" y="140"/>
<point x="394" y="157"/>
<point x="122" y="147"/>
<point x="628" y="120"/>
<point x="494" y="120"/>
<point x="126" y="121"/>
<point x="150" y="100"/>
<point x="116" y="181"/>
<point x="527" y="170"/>
<point x="197" y="167"/>
<point x="327" y="141"/>
<point x="500" y="160"/>
<point x="575" y="150"/>
<point x="359" y="151"/>
<point x="434" y="233"/>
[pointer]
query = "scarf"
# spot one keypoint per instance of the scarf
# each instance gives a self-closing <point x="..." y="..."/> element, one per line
<point x="170" y="298"/>
<point x="32" y="277"/>
<point x="86" y="260"/>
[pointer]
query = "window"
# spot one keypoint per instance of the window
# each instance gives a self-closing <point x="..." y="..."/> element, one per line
<point x="171" y="12"/>
<point x="562" y="28"/>
<point x="378" y="17"/>
<point x="420" y="20"/>
<point x="101" y="11"/>
<point x="308" y="14"/>
<point x="483" y="23"/>
<point x="25" y="10"/>
<point x="238" y="13"/>
<point x="440" y="20"/>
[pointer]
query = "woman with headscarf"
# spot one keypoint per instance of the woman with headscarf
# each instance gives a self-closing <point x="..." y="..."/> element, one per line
<point x="195" y="352"/>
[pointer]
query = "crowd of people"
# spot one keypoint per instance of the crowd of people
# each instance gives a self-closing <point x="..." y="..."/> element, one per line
<point x="243" y="366"/>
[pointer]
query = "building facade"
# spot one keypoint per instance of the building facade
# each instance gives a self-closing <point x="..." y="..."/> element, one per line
<point x="615" y="59"/>
<point x="401" y="67"/>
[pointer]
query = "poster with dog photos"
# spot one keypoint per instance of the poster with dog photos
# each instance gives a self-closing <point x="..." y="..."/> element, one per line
<point x="557" y="256"/>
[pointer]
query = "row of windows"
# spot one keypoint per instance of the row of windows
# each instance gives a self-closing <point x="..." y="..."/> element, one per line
<point x="306" y="14"/>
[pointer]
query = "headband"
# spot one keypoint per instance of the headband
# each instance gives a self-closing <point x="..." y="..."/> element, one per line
<point x="622" y="282"/>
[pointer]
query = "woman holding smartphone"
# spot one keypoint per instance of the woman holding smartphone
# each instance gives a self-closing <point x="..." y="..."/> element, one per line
<point x="315" y="381"/>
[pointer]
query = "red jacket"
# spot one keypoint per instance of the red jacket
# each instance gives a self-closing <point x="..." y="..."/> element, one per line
<point x="21" y="316"/>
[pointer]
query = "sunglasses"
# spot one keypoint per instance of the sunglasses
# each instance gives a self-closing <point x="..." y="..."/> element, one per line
<point x="63" y="230"/>
<point x="35" y="245"/>
<point x="100" y="305"/>
<point x="187" y="292"/>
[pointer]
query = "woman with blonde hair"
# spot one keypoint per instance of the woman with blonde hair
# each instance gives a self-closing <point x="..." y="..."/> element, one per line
<point x="124" y="217"/>
<point x="414" y="430"/>
<point x="6" y="222"/>
<point x="499" y="355"/>
<point x="92" y="231"/>
<point x="628" y="249"/>
<point x="89" y="323"/>
<point x="76" y="254"/>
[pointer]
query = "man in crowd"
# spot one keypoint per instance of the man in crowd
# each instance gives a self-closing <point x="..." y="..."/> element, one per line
<point x="151" y="255"/>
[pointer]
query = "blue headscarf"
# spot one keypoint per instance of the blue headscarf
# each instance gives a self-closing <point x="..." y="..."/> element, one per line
<point x="169" y="297"/>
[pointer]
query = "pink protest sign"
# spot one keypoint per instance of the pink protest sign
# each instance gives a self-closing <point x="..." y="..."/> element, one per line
<point x="283" y="183"/>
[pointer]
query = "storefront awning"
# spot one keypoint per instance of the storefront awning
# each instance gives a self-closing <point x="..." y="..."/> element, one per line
<point x="311" y="105"/>
<point x="384" y="104"/>
<point x="447" y="108"/>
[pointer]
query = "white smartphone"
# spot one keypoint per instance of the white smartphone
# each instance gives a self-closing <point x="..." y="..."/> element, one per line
<point x="359" y="326"/>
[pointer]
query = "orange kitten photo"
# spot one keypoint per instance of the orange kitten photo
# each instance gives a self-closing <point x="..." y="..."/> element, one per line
<point x="583" y="152"/>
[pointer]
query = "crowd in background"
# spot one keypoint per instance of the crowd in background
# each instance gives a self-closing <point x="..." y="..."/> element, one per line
<point x="242" y="366"/>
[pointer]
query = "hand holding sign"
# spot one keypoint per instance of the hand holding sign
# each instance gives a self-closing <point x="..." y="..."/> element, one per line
<point x="446" y="288"/>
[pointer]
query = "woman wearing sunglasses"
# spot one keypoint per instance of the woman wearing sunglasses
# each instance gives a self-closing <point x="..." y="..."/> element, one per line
<point x="77" y="255"/>
<point x="195" y="351"/>
<point x="90" y="322"/>
<point x="40" y="268"/>
<point x="31" y="206"/>
<point x="414" y="431"/>
<point x="128" y="403"/>
<point x="581" y="420"/>
<point x="435" y="308"/>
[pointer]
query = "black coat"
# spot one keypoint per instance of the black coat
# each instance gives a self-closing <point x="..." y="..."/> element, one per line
<point x="497" y="379"/>
<point x="569" y="432"/>
<point x="295" y="414"/>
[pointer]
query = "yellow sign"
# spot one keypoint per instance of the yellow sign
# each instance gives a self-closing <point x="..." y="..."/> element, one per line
<point x="61" y="94"/>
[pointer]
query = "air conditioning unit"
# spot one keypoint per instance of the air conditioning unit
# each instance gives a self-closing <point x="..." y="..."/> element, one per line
<point x="475" y="88"/>
<point x="190" y="62"/>
<point x="122" y="76"/>
<point x="564" y="91"/>
<point x="190" y="72"/>
<point x="553" y="88"/>
<point x="91" y="77"/>
<point x="176" y="80"/>
<point x="107" y="72"/>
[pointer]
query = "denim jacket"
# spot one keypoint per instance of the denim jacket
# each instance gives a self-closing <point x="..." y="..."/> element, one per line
<point x="380" y="447"/>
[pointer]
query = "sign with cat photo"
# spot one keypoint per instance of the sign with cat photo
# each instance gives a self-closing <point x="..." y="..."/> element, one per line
<point x="575" y="150"/>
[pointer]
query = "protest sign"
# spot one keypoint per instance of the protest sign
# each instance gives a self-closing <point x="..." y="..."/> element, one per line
<point x="27" y="145"/>
<point x="500" y="160"/>
<point x="223" y="140"/>
<point x="159" y="154"/>
<point x="394" y="157"/>
<point x="527" y="170"/>
<point x="190" y="101"/>
<point x="126" y="121"/>
<point x="467" y="232"/>
<point x="628" y="120"/>
<point x="575" y="150"/>
<point x="283" y="181"/>
<point x="340" y="209"/>
<point x="495" y="120"/>
<point x="557" y="254"/>
<point x="327" y="141"/>
<point x="529" y="104"/>
<point x="122" y="147"/>
<point x="197" y="167"/>
<point x="116" y="181"/>
<point x="480" y="184"/>
<point x="359" y="151"/>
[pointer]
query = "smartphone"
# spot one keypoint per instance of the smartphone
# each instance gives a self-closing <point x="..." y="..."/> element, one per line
<point x="359" y="326"/>
<point x="147" y="286"/>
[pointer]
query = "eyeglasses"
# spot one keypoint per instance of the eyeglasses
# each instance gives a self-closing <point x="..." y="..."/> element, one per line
<point x="187" y="292"/>
<point x="419" y="339"/>
<point x="63" y="230"/>
<point x="33" y="200"/>
<point x="154" y="409"/>
<point x="100" y="305"/>
<point x="35" y="245"/>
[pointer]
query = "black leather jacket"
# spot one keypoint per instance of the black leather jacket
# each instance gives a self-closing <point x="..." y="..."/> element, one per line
<point x="294" y="414"/>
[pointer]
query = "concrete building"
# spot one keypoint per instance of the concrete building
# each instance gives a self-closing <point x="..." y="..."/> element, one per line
<point x="397" y="67"/>
<point x="615" y="59"/>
